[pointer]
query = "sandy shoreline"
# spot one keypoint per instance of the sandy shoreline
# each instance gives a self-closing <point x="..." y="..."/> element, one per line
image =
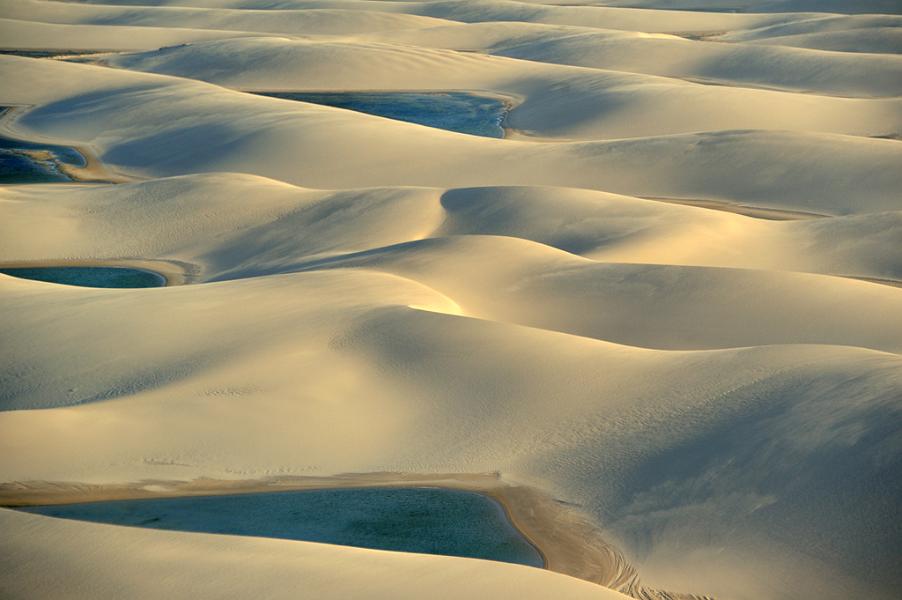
<point x="93" y="171"/>
<point x="566" y="540"/>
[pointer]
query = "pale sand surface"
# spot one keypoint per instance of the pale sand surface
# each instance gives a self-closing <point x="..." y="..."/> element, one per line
<point x="664" y="309"/>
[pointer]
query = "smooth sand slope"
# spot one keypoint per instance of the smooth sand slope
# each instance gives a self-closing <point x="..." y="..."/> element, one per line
<point x="712" y="61"/>
<point x="496" y="277"/>
<point x="136" y="123"/>
<point x="327" y="16"/>
<point x="31" y="35"/>
<point x="329" y="372"/>
<point x="131" y="220"/>
<point x="669" y="298"/>
<point x="555" y="101"/>
<point x="316" y="21"/>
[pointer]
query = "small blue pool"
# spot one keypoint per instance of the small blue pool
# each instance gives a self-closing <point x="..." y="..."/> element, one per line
<point x="453" y="111"/>
<point x="97" y="277"/>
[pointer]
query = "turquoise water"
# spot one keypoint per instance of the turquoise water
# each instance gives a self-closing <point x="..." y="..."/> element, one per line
<point x="98" y="277"/>
<point x="18" y="164"/>
<point x="425" y="520"/>
<point x="454" y="111"/>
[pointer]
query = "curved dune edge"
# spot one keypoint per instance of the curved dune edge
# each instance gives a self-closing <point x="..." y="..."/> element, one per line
<point x="600" y="103"/>
<point x="539" y="255"/>
<point x="757" y="212"/>
<point x="132" y="120"/>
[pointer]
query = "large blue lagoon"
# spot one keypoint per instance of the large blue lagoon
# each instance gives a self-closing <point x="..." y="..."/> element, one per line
<point x="454" y="111"/>
<point x="425" y="520"/>
<point x="98" y="277"/>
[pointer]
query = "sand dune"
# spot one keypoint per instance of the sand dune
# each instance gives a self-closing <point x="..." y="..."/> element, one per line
<point x="769" y="67"/>
<point x="717" y="6"/>
<point x="667" y="299"/>
<point x="658" y="306"/>
<point x="131" y="221"/>
<point x="322" y="21"/>
<point x="32" y="35"/>
<point x="886" y="40"/>
<point x="834" y="6"/>
<point x="640" y="305"/>
<point x="819" y="24"/>
<point x="557" y="101"/>
<point x="221" y="354"/>
<point x="603" y="15"/>
<point x="319" y="146"/>
<point x="615" y="228"/>
<point x="406" y="12"/>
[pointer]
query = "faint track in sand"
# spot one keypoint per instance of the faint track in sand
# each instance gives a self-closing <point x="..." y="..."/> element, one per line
<point x="758" y="212"/>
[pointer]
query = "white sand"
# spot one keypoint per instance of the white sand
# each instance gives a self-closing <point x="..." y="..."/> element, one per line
<point x="594" y="306"/>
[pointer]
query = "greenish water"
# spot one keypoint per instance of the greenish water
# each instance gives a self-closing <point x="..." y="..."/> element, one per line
<point x="98" y="277"/>
<point x="31" y="162"/>
<point x="453" y="111"/>
<point x="424" y="520"/>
